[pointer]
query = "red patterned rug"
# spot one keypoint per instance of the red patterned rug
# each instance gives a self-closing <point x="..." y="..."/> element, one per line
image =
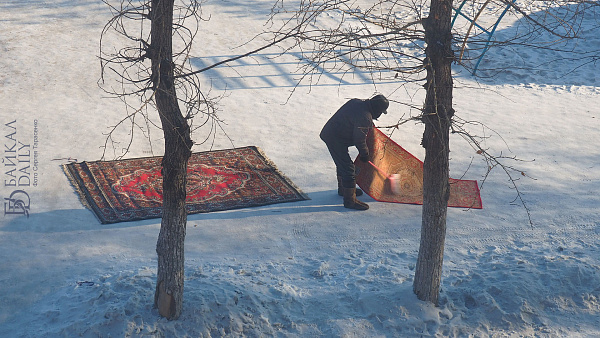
<point x="393" y="159"/>
<point x="127" y="190"/>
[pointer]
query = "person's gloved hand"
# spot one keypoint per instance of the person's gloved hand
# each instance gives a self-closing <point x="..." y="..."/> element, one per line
<point x="364" y="157"/>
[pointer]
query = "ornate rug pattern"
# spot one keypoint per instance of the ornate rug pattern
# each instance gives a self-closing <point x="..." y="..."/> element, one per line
<point x="127" y="190"/>
<point x="393" y="159"/>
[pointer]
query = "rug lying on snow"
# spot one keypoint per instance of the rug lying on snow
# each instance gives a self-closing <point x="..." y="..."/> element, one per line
<point x="127" y="190"/>
<point x="393" y="159"/>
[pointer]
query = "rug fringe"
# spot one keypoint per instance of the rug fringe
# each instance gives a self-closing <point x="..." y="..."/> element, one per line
<point x="281" y="174"/>
<point x="80" y="193"/>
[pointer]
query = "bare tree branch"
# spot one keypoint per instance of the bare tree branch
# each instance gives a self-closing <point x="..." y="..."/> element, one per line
<point x="125" y="53"/>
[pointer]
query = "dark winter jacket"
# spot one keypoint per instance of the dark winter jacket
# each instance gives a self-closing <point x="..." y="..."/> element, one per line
<point x="349" y="125"/>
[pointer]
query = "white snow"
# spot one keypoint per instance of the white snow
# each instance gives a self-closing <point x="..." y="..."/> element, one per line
<point x="310" y="268"/>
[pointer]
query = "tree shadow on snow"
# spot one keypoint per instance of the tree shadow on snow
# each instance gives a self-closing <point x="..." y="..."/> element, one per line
<point x="540" y="58"/>
<point x="84" y="220"/>
<point x="39" y="11"/>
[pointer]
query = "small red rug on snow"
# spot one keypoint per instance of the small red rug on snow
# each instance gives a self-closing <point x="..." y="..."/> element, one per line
<point x="393" y="159"/>
<point x="127" y="190"/>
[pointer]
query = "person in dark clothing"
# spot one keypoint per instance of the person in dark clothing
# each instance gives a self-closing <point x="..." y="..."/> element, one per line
<point x="349" y="127"/>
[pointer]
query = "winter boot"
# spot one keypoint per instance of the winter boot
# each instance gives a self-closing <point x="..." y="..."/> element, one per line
<point x="351" y="202"/>
<point x="341" y="188"/>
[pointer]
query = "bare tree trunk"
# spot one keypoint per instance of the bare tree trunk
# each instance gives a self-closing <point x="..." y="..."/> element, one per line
<point x="168" y="297"/>
<point x="437" y="118"/>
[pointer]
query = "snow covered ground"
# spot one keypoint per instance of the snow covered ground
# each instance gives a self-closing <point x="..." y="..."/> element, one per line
<point x="310" y="268"/>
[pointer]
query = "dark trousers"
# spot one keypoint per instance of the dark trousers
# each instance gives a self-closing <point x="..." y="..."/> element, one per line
<point x="343" y="163"/>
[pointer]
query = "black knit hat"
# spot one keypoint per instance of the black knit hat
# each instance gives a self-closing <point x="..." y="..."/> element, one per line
<point x="379" y="104"/>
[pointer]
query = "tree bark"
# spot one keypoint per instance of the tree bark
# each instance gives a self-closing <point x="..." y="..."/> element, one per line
<point x="437" y="117"/>
<point x="168" y="297"/>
